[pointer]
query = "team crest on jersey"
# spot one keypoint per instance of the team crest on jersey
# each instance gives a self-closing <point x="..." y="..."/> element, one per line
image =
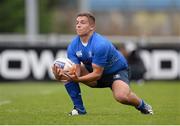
<point x="79" y="53"/>
<point x="90" y="54"/>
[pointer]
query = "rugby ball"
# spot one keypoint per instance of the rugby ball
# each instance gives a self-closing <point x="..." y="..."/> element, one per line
<point x="66" y="65"/>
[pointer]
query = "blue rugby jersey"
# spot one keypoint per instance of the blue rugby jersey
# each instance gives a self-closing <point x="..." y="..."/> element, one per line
<point x="99" y="51"/>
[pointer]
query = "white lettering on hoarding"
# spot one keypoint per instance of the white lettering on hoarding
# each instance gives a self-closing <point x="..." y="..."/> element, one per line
<point x="29" y="62"/>
<point x="40" y="65"/>
<point x="37" y="66"/>
<point x="153" y="61"/>
<point x="158" y="57"/>
<point x="14" y="73"/>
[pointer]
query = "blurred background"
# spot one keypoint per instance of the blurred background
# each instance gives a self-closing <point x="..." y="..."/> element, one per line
<point x="33" y="33"/>
<point x="115" y="17"/>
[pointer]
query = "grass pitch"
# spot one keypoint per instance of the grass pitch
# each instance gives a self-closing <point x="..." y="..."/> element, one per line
<point x="47" y="103"/>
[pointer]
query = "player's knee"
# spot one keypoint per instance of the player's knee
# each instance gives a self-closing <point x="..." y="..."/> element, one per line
<point x="122" y="98"/>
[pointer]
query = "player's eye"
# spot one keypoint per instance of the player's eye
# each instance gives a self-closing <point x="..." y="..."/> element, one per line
<point x="83" y="22"/>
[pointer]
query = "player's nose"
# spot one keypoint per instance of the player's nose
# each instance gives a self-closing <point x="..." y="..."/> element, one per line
<point x="78" y="25"/>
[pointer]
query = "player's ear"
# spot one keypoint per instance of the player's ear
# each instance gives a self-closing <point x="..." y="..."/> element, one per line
<point x="92" y="27"/>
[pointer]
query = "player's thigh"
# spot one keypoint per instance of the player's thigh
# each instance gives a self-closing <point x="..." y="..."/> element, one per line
<point x="120" y="89"/>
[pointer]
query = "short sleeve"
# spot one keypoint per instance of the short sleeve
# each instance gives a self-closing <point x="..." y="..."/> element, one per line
<point x="100" y="55"/>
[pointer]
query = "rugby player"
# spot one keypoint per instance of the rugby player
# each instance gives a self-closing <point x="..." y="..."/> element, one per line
<point x="97" y="64"/>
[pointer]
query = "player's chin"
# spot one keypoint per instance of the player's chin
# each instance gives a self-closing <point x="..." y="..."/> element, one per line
<point x="80" y="33"/>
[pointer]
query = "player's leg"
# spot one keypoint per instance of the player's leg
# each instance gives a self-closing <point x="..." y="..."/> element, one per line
<point x="123" y="94"/>
<point x="74" y="92"/>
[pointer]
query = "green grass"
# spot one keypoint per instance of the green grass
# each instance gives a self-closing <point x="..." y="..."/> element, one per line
<point x="47" y="103"/>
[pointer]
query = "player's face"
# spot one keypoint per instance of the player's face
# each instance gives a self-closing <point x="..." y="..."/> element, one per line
<point x="83" y="26"/>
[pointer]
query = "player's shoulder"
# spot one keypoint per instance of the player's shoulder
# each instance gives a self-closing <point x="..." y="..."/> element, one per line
<point x="74" y="41"/>
<point x="100" y="40"/>
<point x="98" y="36"/>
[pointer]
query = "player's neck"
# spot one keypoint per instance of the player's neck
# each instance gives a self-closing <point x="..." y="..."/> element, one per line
<point x="85" y="38"/>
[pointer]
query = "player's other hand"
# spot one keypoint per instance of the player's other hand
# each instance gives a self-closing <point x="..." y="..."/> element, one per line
<point x="62" y="75"/>
<point x="73" y="76"/>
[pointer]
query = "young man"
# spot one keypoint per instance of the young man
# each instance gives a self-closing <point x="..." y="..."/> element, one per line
<point x="98" y="64"/>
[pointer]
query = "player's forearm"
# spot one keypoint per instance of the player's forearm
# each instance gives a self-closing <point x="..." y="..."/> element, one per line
<point x="89" y="77"/>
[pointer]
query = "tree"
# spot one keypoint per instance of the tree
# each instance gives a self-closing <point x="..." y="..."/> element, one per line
<point x="12" y="17"/>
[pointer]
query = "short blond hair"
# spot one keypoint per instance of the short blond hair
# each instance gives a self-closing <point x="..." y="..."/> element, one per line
<point x="89" y="15"/>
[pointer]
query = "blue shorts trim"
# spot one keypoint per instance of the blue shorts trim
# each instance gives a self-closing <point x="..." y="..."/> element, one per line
<point x="107" y="80"/>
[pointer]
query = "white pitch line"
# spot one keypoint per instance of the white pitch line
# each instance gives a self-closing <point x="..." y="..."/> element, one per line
<point x="5" y="102"/>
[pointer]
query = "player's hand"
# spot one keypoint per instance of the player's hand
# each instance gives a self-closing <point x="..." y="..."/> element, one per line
<point x="57" y="72"/>
<point x="73" y="77"/>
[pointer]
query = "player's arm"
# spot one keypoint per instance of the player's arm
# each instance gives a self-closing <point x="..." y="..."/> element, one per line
<point x="77" y="70"/>
<point x="93" y="76"/>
